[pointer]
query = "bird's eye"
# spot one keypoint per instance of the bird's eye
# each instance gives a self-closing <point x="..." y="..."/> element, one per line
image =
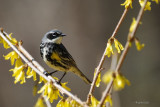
<point x="51" y="36"/>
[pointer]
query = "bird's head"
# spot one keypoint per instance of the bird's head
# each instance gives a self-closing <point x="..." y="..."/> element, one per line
<point x="54" y="36"/>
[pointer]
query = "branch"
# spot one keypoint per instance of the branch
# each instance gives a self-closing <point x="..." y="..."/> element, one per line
<point x="98" y="70"/>
<point x="123" y="56"/>
<point x="27" y="58"/>
<point x="47" y="101"/>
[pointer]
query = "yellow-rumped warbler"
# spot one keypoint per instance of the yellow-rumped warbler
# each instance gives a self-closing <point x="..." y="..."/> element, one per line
<point x="56" y="56"/>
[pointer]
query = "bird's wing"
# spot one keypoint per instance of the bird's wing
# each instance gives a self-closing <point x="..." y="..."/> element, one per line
<point x="66" y="57"/>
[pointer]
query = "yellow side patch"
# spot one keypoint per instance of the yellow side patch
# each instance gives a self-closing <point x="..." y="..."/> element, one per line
<point x="55" y="56"/>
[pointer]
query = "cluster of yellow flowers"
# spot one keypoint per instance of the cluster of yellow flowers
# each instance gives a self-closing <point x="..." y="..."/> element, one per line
<point x="128" y="3"/>
<point x="19" y="70"/>
<point x="68" y="102"/>
<point x="22" y="71"/>
<point x="51" y="91"/>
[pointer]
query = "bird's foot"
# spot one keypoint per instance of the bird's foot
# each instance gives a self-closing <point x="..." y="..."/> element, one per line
<point x="59" y="82"/>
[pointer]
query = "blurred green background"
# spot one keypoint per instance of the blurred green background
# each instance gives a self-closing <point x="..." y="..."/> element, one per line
<point x="88" y="24"/>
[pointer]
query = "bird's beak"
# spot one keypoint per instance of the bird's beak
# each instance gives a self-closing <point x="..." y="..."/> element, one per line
<point x="63" y="34"/>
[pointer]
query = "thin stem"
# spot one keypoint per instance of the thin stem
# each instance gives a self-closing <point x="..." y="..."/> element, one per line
<point x="98" y="69"/>
<point x="47" y="101"/>
<point x="38" y="69"/>
<point x="123" y="56"/>
<point x="120" y="22"/>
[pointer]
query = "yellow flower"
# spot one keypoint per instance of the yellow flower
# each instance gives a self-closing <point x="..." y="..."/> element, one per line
<point x="118" y="45"/>
<point x="28" y="70"/>
<point x="139" y="46"/>
<point x="31" y="74"/>
<point x="120" y="82"/>
<point x="61" y="103"/>
<point x="18" y="62"/>
<point x="157" y="1"/>
<point x="108" y="99"/>
<point x="109" y="49"/>
<point x="98" y="79"/>
<point x="12" y="40"/>
<point x="127" y="3"/>
<point x="19" y="74"/>
<point x="94" y="102"/>
<point x="64" y="86"/>
<point x="50" y="91"/>
<point x="42" y="79"/>
<point x="133" y="25"/>
<point x="5" y="44"/>
<point x="69" y="102"/>
<point x="73" y="103"/>
<point x="40" y="102"/>
<point x="107" y="77"/>
<point x="130" y="44"/>
<point x="148" y="5"/>
<point x="35" y="89"/>
<point x="12" y="56"/>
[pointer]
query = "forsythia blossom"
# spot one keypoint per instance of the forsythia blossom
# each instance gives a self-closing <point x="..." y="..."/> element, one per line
<point x="107" y="77"/>
<point x="94" y="102"/>
<point x="40" y="102"/>
<point x="157" y="1"/>
<point x="50" y="91"/>
<point x="133" y="25"/>
<point x="42" y="79"/>
<point x="98" y="79"/>
<point x="31" y="73"/>
<point x="109" y="49"/>
<point x="12" y="56"/>
<point x="35" y="89"/>
<point x="11" y="39"/>
<point x="148" y="5"/>
<point x="64" y="86"/>
<point x="139" y="46"/>
<point x="62" y="103"/>
<point x="119" y="81"/>
<point x="19" y="74"/>
<point x="5" y="44"/>
<point x="127" y="3"/>
<point x="117" y="44"/>
<point x="108" y="99"/>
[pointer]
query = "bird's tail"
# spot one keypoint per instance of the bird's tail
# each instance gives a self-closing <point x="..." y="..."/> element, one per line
<point x="82" y="76"/>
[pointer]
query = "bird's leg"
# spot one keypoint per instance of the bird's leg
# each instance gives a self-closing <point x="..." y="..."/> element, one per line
<point x="59" y="82"/>
<point x="47" y="74"/>
<point x="52" y="72"/>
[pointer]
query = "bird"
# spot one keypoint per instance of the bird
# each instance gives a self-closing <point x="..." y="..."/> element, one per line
<point x="56" y="56"/>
